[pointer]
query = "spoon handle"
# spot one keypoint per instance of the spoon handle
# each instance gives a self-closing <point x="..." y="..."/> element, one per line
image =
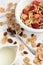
<point x="29" y="48"/>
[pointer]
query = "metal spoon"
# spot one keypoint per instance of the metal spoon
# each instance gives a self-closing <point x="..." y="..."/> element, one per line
<point x="29" y="48"/>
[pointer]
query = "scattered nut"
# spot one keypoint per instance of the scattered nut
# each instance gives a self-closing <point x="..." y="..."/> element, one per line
<point x="21" y="47"/>
<point x="26" y="59"/>
<point x="33" y="43"/>
<point x="26" y="64"/>
<point x="9" y="6"/>
<point x="34" y="38"/>
<point x="2" y="10"/>
<point x="24" y="36"/>
<point x="28" y="40"/>
<point x="4" y="40"/>
<point x="1" y="23"/>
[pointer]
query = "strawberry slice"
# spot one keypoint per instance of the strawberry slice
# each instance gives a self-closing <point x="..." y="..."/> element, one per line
<point x="25" y="11"/>
<point x="35" y="25"/>
<point x="36" y="16"/>
<point x="32" y="7"/>
<point x="27" y="18"/>
<point x="36" y="2"/>
<point x="42" y="12"/>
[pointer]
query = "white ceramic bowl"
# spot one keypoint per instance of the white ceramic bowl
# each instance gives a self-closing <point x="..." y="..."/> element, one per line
<point x="18" y="11"/>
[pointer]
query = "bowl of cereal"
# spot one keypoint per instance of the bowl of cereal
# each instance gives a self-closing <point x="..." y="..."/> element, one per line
<point x="29" y="14"/>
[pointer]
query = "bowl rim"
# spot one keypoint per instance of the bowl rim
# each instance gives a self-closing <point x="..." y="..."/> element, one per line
<point x="20" y="21"/>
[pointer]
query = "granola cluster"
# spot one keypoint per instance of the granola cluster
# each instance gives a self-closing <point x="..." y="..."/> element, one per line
<point x="32" y="15"/>
<point x="26" y="61"/>
<point x="32" y="40"/>
<point x="39" y="55"/>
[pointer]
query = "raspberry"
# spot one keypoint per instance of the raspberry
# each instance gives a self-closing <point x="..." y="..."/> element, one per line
<point x="35" y="25"/>
<point x="36" y="16"/>
<point x="42" y="12"/>
<point x="32" y="7"/>
<point x="36" y="2"/>
<point x="25" y="11"/>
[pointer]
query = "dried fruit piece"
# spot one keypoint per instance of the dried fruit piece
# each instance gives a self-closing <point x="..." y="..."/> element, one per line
<point x="10" y="40"/>
<point x="36" y="2"/>
<point x="36" y="16"/>
<point x="27" y="18"/>
<point x="38" y="44"/>
<point x="34" y="38"/>
<point x="32" y="7"/>
<point x="21" y="47"/>
<point x="9" y="29"/>
<point x="13" y="32"/>
<point x="25" y="52"/>
<point x="35" y="25"/>
<point x="21" y="34"/>
<point x="15" y="42"/>
<point x="32" y="35"/>
<point x="5" y="33"/>
<point x="25" y="11"/>
<point x="22" y="29"/>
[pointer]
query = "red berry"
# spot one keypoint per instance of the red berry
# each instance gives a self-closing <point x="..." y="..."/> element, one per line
<point x="36" y="16"/>
<point x="35" y="25"/>
<point x="41" y="21"/>
<point x="36" y="2"/>
<point x="26" y="18"/>
<point x="25" y="11"/>
<point x="32" y="7"/>
<point x="42" y="12"/>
